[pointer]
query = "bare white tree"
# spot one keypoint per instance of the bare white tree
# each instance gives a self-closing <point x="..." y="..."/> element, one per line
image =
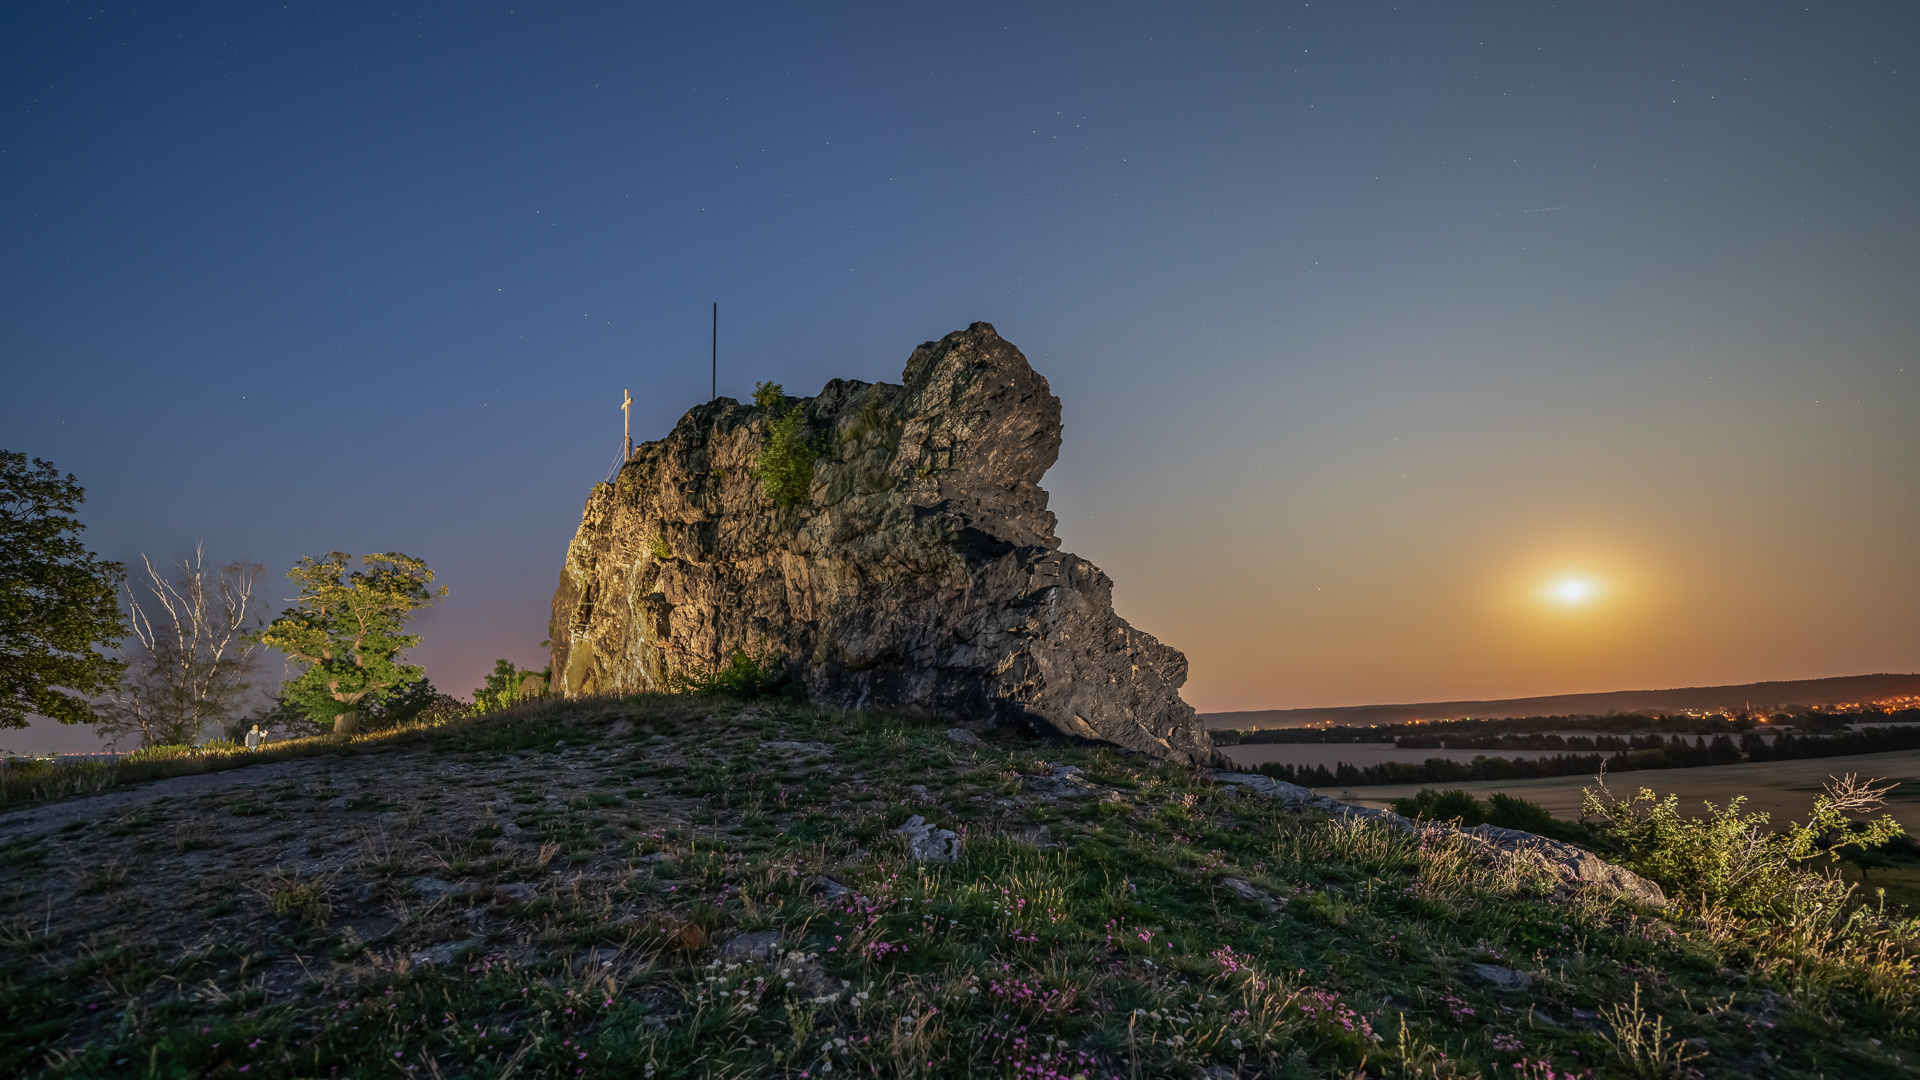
<point x="190" y="665"/>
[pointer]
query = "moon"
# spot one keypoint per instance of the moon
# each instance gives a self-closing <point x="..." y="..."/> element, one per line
<point x="1572" y="591"/>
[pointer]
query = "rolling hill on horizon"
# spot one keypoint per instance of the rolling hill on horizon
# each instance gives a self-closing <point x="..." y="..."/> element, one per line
<point x="1838" y="690"/>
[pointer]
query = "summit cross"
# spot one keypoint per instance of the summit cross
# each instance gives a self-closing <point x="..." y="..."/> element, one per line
<point x="626" y="424"/>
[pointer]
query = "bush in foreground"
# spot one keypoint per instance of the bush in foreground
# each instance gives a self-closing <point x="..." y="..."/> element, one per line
<point x="1736" y="860"/>
<point x="1500" y="810"/>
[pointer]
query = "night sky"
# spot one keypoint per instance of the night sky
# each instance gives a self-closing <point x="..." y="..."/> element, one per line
<point x="1376" y="325"/>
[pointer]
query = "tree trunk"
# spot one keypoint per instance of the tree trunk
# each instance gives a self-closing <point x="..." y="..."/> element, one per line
<point x="347" y="723"/>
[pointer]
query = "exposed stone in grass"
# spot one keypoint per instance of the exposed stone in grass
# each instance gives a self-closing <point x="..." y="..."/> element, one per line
<point x="929" y="843"/>
<point x="1504" y="978"/>
<point x="1037" y="836"/>
<point x="757" y="947"/>
<point x="802" y="748"/>
<point x="445" y="954"/>
<point x="1246" y="891"/>
<point x="433" y="889"/>
<point x="1062" y="782"/>
<point x="1576" y="867"/>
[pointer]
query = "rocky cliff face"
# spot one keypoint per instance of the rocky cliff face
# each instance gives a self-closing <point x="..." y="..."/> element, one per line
<point x="921" y="572"/>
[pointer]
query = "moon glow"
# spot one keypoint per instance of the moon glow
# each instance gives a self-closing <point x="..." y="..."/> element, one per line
<point x="1572" y="591"/>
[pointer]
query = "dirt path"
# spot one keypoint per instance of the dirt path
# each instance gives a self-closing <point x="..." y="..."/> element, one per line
<point x="46" y="817"/>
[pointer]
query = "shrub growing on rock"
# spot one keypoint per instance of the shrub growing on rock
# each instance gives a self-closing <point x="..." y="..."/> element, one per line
<point x="787" y="457"/>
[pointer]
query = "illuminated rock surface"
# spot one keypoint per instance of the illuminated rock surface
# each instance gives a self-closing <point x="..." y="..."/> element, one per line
<point x="922" y="573"/>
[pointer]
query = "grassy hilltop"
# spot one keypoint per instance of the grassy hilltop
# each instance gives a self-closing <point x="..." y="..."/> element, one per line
<point x="679" y="886"/>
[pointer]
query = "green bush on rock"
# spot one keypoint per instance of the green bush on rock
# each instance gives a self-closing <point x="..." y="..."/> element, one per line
<point x="787" y="457"/>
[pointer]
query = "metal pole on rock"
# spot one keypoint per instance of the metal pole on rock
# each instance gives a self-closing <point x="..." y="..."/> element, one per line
<point x="716" y="350"/>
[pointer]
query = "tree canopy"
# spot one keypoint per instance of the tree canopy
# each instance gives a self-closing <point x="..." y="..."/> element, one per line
<point x="58" y="601"/>
<point x="345" y="629"/>
<point x="510" y="685"/>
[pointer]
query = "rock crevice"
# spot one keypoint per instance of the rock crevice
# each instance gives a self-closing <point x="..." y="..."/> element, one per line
<point x="920" y="573"/>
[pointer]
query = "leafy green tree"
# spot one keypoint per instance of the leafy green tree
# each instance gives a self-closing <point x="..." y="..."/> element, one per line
<point x="410" y="703"/>
<point x="509" y="685"/>
<point x="345" y="631"/>
<point x="57" y="599"/>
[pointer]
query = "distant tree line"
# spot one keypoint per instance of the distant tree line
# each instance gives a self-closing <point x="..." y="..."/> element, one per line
<point x="1869" y="741"/>
<point x="1536" y="732"/>
<point x="1645" y="752"/>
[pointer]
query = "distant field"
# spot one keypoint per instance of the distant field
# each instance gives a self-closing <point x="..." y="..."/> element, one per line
<point x="1364" y="754"/>
<point x="1784" y="789"/>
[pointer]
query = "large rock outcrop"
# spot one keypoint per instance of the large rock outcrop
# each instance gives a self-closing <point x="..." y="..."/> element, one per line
<point x="920" y="573"/>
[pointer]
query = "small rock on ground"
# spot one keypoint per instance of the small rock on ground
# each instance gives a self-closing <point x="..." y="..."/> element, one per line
<point x="1246" y="891"/>
<point x="812" y="748"/>
<point x="517" y="893"/>
<point x="443" y="954"/>
<point x="432" y="888"/>
<point x="759" y="947"/>
<point x="930" y="843"/>
<point x="1061" y="782"/>
<point x="1505" y="978"/>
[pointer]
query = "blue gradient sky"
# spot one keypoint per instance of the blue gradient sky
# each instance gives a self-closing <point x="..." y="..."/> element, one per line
<point x="1369" y="319"/>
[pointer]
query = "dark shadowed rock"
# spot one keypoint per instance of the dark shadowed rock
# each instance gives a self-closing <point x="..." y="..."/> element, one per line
<point x="921" y="574"/>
